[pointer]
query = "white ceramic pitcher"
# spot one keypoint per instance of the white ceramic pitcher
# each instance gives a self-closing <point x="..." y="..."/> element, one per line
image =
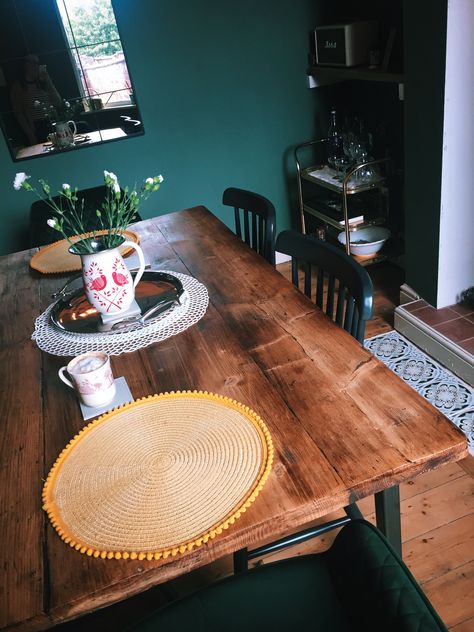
<point x="65" y="132"/>
<point x="107" y="281"/>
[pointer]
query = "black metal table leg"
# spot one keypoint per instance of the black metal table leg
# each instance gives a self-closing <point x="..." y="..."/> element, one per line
<point x="241" y="562"/>
<point x="387" y="513"/>
<point x="353" y="512"/>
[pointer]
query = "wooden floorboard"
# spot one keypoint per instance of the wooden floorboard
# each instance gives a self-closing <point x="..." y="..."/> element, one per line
<point x="465" y="626"/>
<point x="452" y="594"/>
<point x="436" y="552"/>
<point x="468" y="465"/>
<point x="437" y="512"/>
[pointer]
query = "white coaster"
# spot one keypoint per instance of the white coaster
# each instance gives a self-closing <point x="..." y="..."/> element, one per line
<point x="122" y="396"/>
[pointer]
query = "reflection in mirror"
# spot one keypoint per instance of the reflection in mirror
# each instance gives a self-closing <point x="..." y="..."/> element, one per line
<point x="64" y="80"/>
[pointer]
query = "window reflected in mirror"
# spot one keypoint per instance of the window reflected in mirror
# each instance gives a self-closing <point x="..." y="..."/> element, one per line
<point x="64" y="79"/>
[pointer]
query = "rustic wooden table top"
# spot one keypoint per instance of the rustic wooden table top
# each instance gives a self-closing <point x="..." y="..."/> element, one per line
<point x="343" y="425"/>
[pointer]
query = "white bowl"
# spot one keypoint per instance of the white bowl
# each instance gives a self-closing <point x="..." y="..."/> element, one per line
<point x="366" y="242"/>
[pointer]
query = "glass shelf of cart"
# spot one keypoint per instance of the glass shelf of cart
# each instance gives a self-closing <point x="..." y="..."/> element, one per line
<point x="331" y="179"/>
<point x="335" y="222"/>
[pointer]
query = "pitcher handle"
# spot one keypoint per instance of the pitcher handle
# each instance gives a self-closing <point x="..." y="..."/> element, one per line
<point x="63" y="377"/>
<point x="74" y="126"/>
<point x="141" y="259"/>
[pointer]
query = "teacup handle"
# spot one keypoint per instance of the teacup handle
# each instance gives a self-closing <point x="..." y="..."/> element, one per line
<point x="74" y="126"/>
<point x="141" y="259"/>
<point x="64" y="378"/>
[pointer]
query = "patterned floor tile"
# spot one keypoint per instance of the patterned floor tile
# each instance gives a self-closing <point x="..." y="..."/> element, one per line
<point x="453" y="397"/>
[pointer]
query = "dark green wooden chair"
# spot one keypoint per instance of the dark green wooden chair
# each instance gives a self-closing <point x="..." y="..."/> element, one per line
<point x="255" y="221"/>
<point x="359" y="584"/>
<point x="349" y="297"/>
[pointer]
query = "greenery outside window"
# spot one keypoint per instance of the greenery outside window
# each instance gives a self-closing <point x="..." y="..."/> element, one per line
<point x="96" y="52"/>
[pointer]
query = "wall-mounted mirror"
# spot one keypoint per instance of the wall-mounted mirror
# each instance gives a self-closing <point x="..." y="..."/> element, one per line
<point x="64" y="80"/>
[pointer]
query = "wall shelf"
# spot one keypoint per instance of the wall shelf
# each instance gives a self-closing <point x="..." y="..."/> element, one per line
<point x="356" y="73"/>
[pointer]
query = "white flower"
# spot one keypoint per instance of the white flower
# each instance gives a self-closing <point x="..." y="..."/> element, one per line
<point x="113" y="177"/>
<point x="116" y="187"/>
<point x="36" y="103"/>
<point x="66" y="186"/>
<point x="52" y="223"/>
<point x="149" y="181"/>
<point x="160" y="178"/>
<point x="19" y="179"/>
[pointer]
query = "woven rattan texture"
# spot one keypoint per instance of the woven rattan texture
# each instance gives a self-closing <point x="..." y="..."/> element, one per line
<point x="56" y="259"/>
<point x="194" y="302"/>
<point x="158" y="476"/>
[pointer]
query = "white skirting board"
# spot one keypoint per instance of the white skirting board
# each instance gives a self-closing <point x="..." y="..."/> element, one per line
<point x="281" y="258"/>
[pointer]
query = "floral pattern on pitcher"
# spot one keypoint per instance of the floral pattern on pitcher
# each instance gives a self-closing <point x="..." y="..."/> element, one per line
<point x="110" y="292"/>
<point x="118" y="275"/>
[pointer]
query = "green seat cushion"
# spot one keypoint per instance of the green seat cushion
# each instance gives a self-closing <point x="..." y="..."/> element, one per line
<point x="297" y="594"/>
<point x="375" y="585"/>
<point x="359" y="584"/>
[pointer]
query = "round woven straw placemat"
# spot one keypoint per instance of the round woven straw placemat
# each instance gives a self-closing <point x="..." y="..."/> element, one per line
<point x="159" y="476"/>
<point x="56" y="258"/>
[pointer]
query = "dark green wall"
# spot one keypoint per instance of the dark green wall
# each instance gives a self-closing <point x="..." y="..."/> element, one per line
<point x="425" y="51"/>
<point x="221" y="88"/>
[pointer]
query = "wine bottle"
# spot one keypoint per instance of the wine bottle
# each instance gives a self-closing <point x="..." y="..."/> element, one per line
<point x="335" y="144"/>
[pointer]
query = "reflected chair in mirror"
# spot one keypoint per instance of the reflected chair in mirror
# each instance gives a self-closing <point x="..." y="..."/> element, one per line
<point x="343" y="289"/>
<point x="41" y="233"/>
<point x="358" y="584"/>
<point x="255" y="221"/>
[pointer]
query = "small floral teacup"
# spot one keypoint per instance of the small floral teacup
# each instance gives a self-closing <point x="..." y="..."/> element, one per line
<point x="91" y="376"/>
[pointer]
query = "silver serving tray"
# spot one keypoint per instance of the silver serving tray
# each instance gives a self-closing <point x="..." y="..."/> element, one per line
<point x="74" y="313"/>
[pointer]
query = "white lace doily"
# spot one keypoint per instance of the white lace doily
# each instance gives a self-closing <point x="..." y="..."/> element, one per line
<point x="194" y="302"/>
